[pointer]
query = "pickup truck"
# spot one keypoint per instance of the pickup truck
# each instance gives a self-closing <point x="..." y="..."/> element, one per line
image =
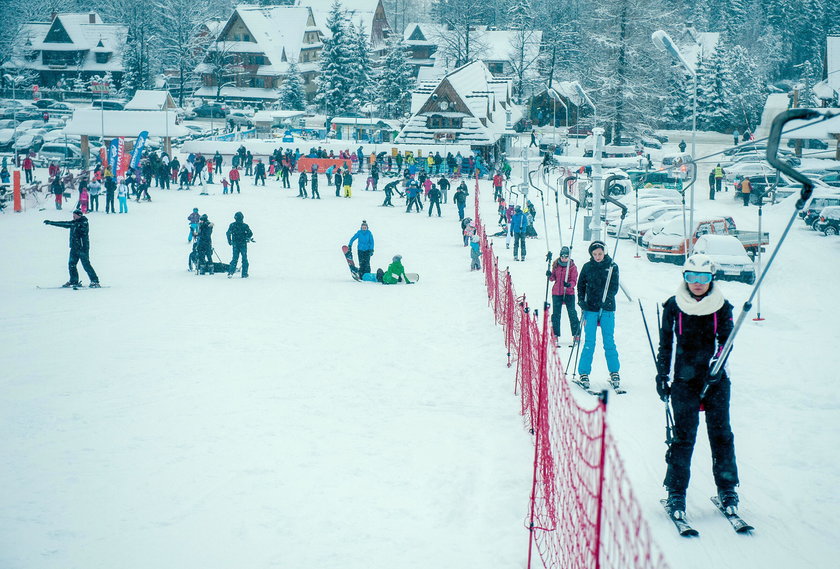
<point x="669" y="246"/>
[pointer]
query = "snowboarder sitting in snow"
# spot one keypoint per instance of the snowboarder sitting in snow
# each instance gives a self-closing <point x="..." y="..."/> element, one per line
<point x="701" y="319"/>
<point x="395" y="273"/>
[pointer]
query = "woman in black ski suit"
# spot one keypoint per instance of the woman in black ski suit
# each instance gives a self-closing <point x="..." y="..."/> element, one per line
<point x="701" y="319"/>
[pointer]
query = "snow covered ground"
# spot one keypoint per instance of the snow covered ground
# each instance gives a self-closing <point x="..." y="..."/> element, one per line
<point x="300" y="419"/>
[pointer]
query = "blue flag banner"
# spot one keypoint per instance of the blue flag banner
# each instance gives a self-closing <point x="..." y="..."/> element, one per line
<point x="113" y="154"/>
<point x="137" y="153"/>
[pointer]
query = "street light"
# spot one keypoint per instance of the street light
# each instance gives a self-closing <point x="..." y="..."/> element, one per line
<point x="663" y="41"/>
<point x="555" y="97"/>
<point x="588" y="101"/>
<point x="14" y="80"/>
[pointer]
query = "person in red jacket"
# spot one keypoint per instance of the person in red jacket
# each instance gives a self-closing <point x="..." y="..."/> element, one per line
<point x="233" y="176"/>
<point x="498" y="180"/>
<point x="564" y="274"/>
<point x="53" y="170"/>
<point x="28" y="167"/>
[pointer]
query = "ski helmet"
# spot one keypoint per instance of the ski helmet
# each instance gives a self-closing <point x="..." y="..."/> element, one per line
<point x="699" y="263"/>
<point x="397" y="258"/>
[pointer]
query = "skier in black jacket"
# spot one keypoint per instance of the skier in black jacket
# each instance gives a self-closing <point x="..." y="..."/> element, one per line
<point x="598" y="311"/>
<point x="238" y="236"/>
<point x="204" y="239"/>
<point x="79" y="248"/>
<point x="701" y="319"/>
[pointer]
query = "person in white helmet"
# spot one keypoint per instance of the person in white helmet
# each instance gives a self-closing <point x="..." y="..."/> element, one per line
<point x="700" y="319"/>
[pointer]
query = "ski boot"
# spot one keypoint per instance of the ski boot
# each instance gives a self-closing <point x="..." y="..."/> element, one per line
<point x="583" y="381"/>
<point x="615" y="380"/>
<point x="71" y="284"/>
<point x="728" y="500"/>
<point x="94" y="284"/>
<point x="676" y="504"/>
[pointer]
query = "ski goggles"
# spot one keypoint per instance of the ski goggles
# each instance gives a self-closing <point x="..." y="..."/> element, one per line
<point x="692" y="277"/>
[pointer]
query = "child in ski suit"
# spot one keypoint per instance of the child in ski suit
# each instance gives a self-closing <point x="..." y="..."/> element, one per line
<point x="475" y="254"/>
<point x="193" y="218"/>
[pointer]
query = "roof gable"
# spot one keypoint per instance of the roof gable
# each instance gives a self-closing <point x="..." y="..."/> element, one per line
<point x="417" y="34"/>
<point x="57" y="33"/>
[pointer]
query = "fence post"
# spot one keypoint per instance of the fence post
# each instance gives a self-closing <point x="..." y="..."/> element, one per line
<point x="601" y="468"/>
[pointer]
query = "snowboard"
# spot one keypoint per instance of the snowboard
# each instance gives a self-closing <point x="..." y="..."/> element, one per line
<point x="371" y="278"/>
<point x="348" y="255"/>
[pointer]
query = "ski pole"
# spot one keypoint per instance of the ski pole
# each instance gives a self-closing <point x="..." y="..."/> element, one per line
<point x="807" y="189"/>
<point x="669" y="418"/>
<point x="547" y="281"/>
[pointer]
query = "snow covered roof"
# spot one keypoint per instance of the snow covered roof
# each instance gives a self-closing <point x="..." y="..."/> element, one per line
<point x="471" y="94"/>
<point x="84" y="33"/>
<point x="279" y="115"/>
<point x="693" y="43"/>
<point x="239" y="93"/>
<point x="499" y="44"/>
<point x="833" y="62"/>
<point x="144" y="100"/>
<point x="369" y="14"/>
<point x="93" y="122"/>
<point x="275" y="32"/>
<point x="567" y="90"/>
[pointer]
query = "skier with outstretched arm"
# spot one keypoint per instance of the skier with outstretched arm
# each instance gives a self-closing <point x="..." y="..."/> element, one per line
<point x="79" y="248"/>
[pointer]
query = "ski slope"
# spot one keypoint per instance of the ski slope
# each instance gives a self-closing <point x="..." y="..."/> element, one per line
<point x="301" y="419"/>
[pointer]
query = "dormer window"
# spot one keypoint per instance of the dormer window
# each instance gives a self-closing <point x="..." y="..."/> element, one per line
<point x="102" y="57"/>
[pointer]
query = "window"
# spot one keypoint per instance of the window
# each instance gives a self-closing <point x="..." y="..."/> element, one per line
<point x="61" y="57"/>
<point x="496" y="68"/>
<point x="102" y="57"/>
<point x="437" y="121"/>
<point x="246" y="37"/>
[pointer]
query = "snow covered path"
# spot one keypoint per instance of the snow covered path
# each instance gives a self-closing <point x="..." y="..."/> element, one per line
<point x="294" y="419"/>
<point x="299" y="419"/>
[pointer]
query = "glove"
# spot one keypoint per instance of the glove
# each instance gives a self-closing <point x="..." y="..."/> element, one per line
<point x="548" y="273"/>
<point x="567" y="285"/>
<point x="662" y="386"/>
<point x="371" y="252"/>
<point x="712" y="362"/>
<point x="46" y="222"/>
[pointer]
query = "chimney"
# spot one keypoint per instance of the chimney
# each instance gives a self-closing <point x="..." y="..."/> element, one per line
<point x="92" y="18"/>
<point x="53" y="15"/>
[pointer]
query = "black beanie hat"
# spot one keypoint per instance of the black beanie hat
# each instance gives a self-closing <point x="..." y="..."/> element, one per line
<point x="597" y="245"/>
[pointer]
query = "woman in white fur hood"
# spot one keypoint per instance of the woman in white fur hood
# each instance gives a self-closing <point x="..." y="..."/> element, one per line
<point x="700" y="318"/>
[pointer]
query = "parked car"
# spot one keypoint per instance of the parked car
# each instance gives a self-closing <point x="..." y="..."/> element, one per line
<point x="580" y="130"/>
<point x="646" y="215"/>
<point x="763" y="186"/>
<point x="829" y="220"/>
<point x="24" y="114"/>
<point x="810" y="143"/>
<point x="748" y="169"/>
<point x="240" y="119"/>
<point x="8" y="123"/>
<point x="7" y="138"/>
<point x="675" y="160"/>
<point x="28" y="142"/>
<point x="647" y="131"/>
<point x="68" y="155"/>
<point x="731" y="260"/>
<point x="671" y="246"/>
<point x="832" y="179"/>
<point x="33" y="123"/>
<point x="208" y="110"/>
<point x="108" y="105"/>
<point x="45" y="103"/>
<point x="655" y="179"/>
<point x="59" y="109"/>
<point x="811" y="212"/>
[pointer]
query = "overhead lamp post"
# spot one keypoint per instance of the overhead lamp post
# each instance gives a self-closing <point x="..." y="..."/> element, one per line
<point x="14" y="80"/>
<point x="663" y="41"/>
<point x="555" y="97"/>
<point x="588" y="101"/>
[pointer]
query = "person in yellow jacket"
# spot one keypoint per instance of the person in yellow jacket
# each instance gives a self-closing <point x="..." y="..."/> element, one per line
<point x="718" y="170"/>
<point x="746" y="190"/>
<point x="430" y="163"/>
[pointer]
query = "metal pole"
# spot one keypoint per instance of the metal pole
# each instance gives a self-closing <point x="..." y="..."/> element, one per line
<point x="690" y="246"/>
<point x="597" y="182"/>
<point x="758" y="317"/>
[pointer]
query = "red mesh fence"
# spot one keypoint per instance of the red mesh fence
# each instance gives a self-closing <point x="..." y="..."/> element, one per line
<point x="582" y="510"/>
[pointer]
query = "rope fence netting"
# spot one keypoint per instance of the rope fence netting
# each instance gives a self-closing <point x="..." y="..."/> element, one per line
<point x="582" y="511"/>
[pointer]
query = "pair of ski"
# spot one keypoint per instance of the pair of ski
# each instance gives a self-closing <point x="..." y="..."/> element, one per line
<point x="617" y="389"/>
<point x="77" y="287"/>
<point x="685" y="529"/>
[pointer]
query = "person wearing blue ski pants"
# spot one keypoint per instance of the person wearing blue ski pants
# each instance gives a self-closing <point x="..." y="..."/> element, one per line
<point x="590" y="325"/>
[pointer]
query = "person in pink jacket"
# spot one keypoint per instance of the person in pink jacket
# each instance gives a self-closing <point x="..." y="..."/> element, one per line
<point x="564" y="274"/>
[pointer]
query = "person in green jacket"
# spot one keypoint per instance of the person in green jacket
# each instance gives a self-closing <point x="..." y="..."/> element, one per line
<point x="395" y="272"/>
